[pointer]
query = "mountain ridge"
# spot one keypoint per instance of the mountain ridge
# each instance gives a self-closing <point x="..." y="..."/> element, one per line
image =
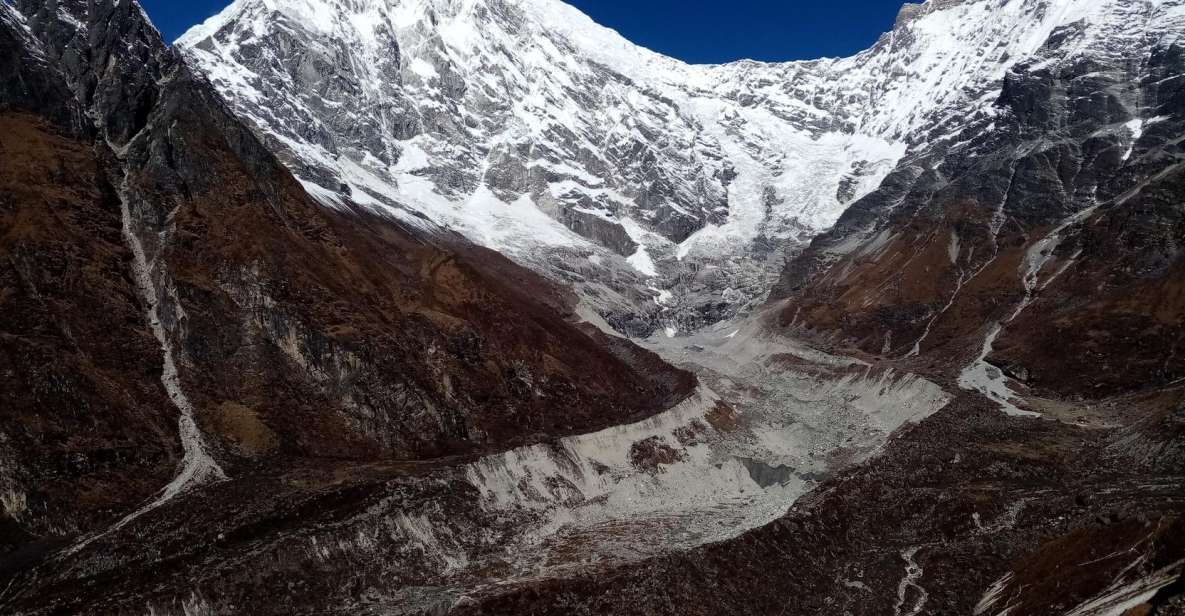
<point x="731" y="168"/>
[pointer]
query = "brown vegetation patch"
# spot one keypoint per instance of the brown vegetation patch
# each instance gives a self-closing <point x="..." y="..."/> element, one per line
<point x="242" y="427"/>
<point x="723" y="417"/>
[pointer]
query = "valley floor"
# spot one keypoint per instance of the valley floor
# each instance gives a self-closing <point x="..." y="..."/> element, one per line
<point x="867" y="486"/>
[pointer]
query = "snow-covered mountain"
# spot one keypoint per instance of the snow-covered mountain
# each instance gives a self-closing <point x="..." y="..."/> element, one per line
<point x="641" y="180"/>
<point x="324" y="401"/>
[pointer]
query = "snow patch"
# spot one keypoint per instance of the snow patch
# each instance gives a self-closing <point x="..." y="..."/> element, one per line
<point x="642" y="262"/>
<point x="423" y="68"/>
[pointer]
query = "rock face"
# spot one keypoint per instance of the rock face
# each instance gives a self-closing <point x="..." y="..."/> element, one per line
<point x="163" y="274"/>
<point x="1047" y="238"/>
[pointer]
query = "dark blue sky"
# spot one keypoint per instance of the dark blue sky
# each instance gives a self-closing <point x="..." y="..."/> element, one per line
<point x="711" y="31"/>
<point x="692" y="30"/>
